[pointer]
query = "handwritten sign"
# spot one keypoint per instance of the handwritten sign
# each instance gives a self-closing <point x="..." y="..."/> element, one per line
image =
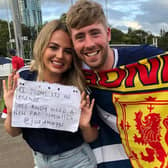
<point x="44" y="105"/>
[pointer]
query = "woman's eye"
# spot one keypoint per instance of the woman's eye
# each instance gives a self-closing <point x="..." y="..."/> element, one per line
<point x="69" y="51"/>
<point x="53" y="47"/>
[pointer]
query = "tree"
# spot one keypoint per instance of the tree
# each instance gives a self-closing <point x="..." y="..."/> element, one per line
<point x="163" y="41"/>
<point x="4" y="37"/>
<point x="116" y="36"/>
<point x="29" y="35"/>
<point x="137" y="36"/>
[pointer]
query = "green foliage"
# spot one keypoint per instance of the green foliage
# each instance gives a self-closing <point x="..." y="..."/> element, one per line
<point x="117" y="37"/>
<point x="163" y="41"/>
<point x="4" y="37"/>
<point x="2" y="104"/>
<point x="138" y="37"/>
<point x="29" y="35"/>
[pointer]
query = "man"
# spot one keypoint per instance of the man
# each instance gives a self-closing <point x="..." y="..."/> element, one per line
<point x="17" y="62"/>
<point x="91" y="35"/>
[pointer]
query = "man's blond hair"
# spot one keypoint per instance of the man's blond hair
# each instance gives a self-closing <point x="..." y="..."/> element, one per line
<point x="84" y="13"/>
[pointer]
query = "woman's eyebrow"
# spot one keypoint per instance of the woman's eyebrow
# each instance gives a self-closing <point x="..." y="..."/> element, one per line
<point x="53" y="43"/>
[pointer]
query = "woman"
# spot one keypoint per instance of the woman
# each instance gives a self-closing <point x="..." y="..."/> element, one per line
<point x="55" y="62"/>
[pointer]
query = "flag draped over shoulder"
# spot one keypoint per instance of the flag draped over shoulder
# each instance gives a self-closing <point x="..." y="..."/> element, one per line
<point x="139" y="94"/>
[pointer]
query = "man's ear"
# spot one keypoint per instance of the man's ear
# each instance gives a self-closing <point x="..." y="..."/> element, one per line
<point x="108" y="33"/>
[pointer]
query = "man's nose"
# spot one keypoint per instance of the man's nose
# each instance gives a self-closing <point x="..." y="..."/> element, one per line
<point x="89" y="42"/>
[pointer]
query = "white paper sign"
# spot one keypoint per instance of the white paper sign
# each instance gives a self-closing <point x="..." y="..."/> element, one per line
<point x="44" y="105"/>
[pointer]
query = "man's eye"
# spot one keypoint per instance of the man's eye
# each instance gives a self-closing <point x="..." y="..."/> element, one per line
<point x="95" y="33"/>
<point x="79" y="37"/>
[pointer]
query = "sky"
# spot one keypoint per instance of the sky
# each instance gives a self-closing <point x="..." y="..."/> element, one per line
<point x="148" y="15"/>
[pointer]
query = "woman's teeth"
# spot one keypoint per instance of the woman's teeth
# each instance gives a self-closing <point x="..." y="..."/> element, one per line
<point x="57" y="63"/>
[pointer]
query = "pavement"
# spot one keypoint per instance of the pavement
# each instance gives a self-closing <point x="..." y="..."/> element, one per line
<point x="14" y="152"/>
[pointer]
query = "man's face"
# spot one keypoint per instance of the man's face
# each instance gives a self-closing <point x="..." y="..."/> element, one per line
<point x="91" y="44"/>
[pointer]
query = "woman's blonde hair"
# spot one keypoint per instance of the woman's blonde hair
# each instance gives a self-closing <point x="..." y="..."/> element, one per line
<point x="74" y="75"/>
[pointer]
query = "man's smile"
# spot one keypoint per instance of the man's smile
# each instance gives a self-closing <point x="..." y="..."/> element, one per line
<point x="90" y="54"/>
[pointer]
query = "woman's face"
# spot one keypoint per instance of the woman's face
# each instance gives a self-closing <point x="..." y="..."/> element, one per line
<point x="57" y="56"/>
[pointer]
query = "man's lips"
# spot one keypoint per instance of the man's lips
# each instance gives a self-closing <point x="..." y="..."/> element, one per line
<point x="90" y="54"/>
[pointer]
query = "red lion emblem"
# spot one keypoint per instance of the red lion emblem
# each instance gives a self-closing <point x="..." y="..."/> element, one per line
<point x="150" y="133"/>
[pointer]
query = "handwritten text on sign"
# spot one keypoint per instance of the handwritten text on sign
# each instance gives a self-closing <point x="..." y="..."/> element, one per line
<point x="44" y="105"/>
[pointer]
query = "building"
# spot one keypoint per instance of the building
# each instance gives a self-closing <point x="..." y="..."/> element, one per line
<point x="27" y="12"/>
<point x="30" y="12"/>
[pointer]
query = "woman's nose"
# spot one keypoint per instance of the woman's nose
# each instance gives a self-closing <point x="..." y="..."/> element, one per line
<point x="60" y="54"/>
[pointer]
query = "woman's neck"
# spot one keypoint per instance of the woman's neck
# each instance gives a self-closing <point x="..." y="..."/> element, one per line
<point x="52" y="78"/>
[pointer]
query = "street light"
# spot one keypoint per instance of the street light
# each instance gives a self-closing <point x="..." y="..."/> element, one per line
<point x="17" y="27"/>
<point x="106" y="4"/>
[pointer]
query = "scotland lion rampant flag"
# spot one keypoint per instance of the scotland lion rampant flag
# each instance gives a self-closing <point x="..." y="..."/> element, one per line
<point x="132" y="113"/>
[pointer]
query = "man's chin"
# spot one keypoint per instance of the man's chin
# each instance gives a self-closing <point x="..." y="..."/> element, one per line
<point x="94" y="66"/>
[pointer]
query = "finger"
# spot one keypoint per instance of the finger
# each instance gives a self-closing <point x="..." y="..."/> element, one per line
<point x="82" y="96"/>
<point x="10" y="81"/>
<point x="4" y="87"/>
<point x="92" y="104"/>
<point x="15" y="82"/>
<point x="87" y="100"/>
<point x="17" y="75"/>
<point x="83" y="104"/>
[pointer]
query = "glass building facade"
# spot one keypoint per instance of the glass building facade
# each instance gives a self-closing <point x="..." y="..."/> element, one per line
<point x="30" y="12"/>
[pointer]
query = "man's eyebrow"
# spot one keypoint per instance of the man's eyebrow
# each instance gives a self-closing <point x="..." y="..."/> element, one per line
<point x="95" y="29"/>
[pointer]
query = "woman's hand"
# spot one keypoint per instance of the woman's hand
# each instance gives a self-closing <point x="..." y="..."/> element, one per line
<point x="89" y="132"/>
<point x="86" y="110"/>
<point x="9" y="90"/>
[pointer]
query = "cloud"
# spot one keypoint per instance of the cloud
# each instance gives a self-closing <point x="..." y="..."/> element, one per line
<point x="53" y="9"/>
<point x="155" y="15"/>
<point x="122" y="14"/>
<point x="3" y="4"/>
<point x="133" y="24"/>
<point x="3" y="9"/>
<point x="149" y="15"/>
<point x="4" y="13"/>
<point x="54" y="1"/>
